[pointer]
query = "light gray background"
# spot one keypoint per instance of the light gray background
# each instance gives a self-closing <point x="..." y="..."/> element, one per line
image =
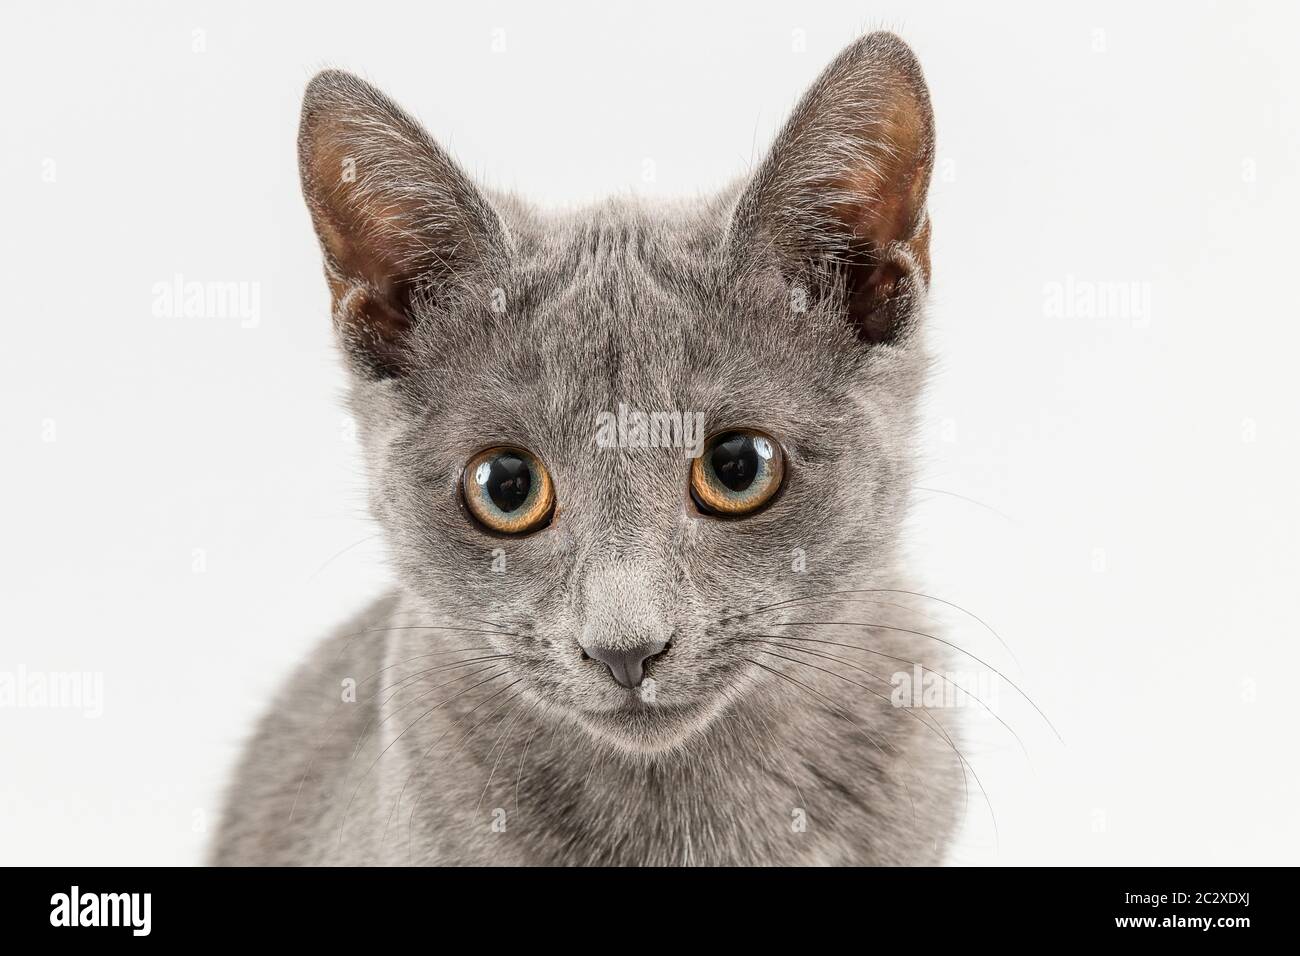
<point x="182" y="508"/>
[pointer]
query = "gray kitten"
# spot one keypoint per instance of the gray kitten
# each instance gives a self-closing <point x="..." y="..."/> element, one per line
<point x="608" y="646"/>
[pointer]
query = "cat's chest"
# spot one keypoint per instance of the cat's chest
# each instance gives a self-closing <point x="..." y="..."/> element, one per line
<point x="672" y="819"/>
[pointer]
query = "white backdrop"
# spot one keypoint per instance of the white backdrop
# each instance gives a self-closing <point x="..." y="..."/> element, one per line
<point x="1111" y="441"/>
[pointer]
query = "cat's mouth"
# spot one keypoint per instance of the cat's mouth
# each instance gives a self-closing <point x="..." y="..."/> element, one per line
<point x="646" y="727"/>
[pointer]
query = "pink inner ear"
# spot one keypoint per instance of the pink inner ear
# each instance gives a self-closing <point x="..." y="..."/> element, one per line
<point x="883" y="200"/>
<point x="375" y="324"/>
<point x="872" y="299"/>
<point x="879" y="211"/>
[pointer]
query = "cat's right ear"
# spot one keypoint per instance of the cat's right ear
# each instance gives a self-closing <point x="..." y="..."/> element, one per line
<point x="839" y="202"/>
<point x="396" y="217"/>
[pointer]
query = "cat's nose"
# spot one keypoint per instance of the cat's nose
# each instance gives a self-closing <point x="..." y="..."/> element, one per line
<point x="626" y="664"/>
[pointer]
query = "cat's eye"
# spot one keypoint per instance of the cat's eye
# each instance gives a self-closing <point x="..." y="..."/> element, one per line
<point x="508" y="490"/>
<point x="738" y="473"/>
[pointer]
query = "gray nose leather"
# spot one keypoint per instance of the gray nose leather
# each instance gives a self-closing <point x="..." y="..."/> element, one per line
<point x="627" y="664"/>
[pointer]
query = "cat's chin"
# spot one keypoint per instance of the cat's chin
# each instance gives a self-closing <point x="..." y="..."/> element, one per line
<point x="648" y="730"/>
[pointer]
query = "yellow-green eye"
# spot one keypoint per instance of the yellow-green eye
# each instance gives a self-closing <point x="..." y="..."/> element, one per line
<point x="738" y="473"/>
<point x="508" y="490"/>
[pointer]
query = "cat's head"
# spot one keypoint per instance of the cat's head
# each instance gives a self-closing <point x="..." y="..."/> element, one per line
<point x="604" y="435"/>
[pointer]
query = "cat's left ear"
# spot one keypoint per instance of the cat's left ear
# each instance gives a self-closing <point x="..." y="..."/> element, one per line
<point x="395" y="215"/>
<point x="839" y="202"/>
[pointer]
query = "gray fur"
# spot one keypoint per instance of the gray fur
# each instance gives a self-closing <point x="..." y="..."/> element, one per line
<point x="534" y="758"/>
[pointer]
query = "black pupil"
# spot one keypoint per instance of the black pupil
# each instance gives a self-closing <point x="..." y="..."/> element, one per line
<point x="735" y="461"/>
<point x="509" y="480"/>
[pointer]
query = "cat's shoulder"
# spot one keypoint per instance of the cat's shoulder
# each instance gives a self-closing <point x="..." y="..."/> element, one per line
<point x="285" y="780"/>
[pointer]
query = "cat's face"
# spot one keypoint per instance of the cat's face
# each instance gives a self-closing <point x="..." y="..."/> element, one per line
<point x="606" y="438"/>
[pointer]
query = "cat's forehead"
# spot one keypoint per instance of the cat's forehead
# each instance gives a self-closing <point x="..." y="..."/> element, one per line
<point x="622" y="306"/>
<point x="640" y="303"/>
<point x="622" y="254"/>
<point x="549" y="374"/>
<point x="610" y="290"/>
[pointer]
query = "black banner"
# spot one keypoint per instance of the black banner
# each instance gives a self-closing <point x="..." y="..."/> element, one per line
<point x="909" y="906"/>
